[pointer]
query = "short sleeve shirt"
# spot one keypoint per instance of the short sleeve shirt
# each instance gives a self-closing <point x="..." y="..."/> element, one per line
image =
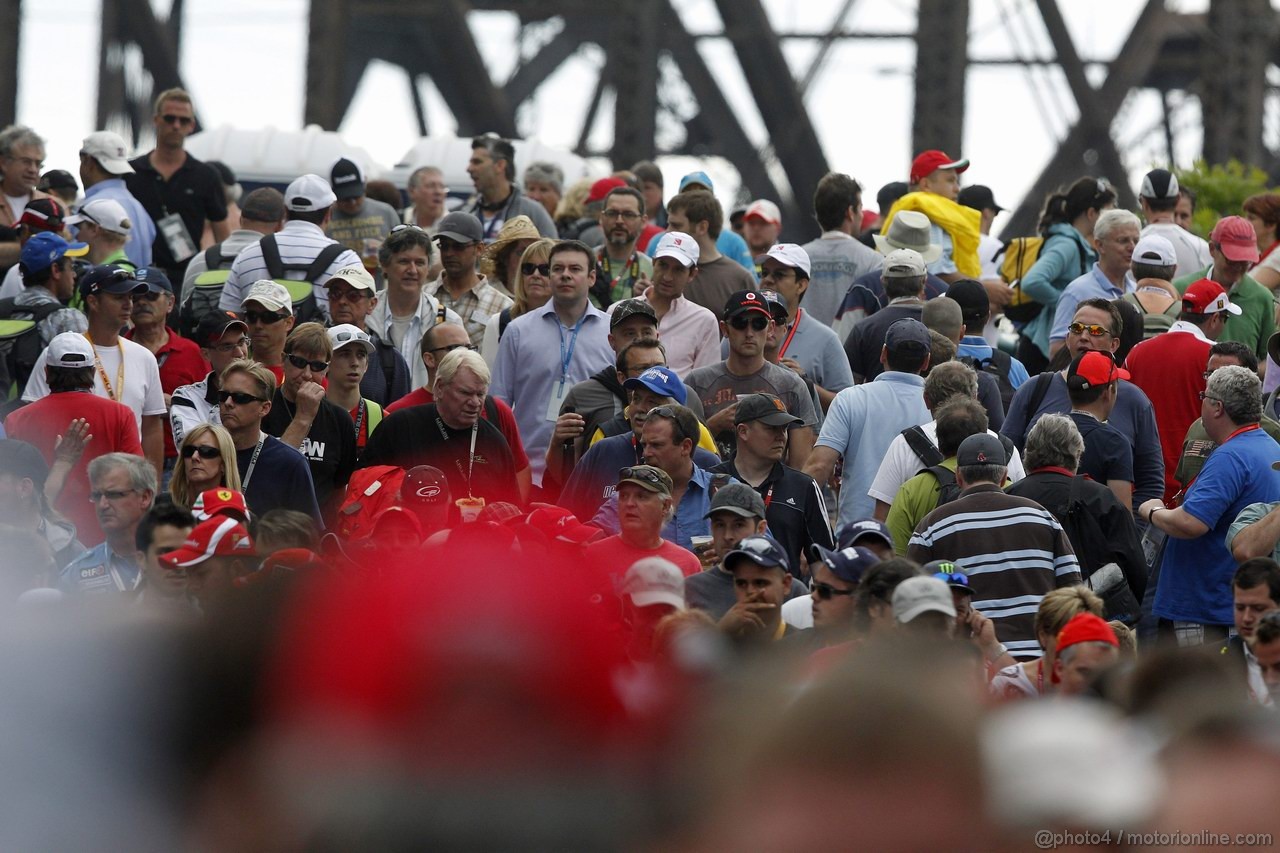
<point x="718" y="389"/>
<point x="1107" y="453"/>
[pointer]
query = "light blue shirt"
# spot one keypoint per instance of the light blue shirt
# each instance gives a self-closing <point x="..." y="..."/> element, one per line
<point x="528" y="370"/>
<point x="143" y="233"/>
<point x="945" y="264"/>
<point x="1091" y="285"/>
<point x="860" y="425"/>
<point x="976" y="346"/>
<point x="99" y="570"/>
<point x="689" y="519"/>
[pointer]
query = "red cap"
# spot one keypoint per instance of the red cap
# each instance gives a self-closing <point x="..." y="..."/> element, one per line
<point x="217" y="537"/>
<point x="1086" y="628"/>
<point x="869" y="218"/>
<point x="558" y="523"/>
<point x="1094" y="368"/>
<point x="601" y="188"/>
<point x="220" y="501"/>
<point x="1206" y="296"/>
<point x="928" y="162"/>
<point x="1237" y="239"/>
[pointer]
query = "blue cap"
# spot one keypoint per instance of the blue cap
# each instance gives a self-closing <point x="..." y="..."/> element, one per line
<point x="848" y="564"/>
<point x="855" y="530"/>
<point x="908" y="332"/>
<point x="696" y="178"/>
<point x="761" y="550"/>
<point x="45" y="247"/>
<point x="156" y="279"/>
<point x="661" y="381"/>
<point x="110" y="278"/>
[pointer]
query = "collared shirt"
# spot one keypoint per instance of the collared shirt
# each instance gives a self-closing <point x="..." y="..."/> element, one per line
<point x="1257" y="686"/>
<point x="1092" y="285"/>
<point x="474" y="306"/>
<point x="529" y="369"/>
<point x="378" y="324"/>
<point x="688" y="520"/>
<point x="1192" y="328"/>
<point x="194" y="192"/>
<point x="99" y="571"/>
<point x="794" y="509"/>
<point x="689" y="333"/>
<point x="299" y="243"/>
<point x="143" y="233"/>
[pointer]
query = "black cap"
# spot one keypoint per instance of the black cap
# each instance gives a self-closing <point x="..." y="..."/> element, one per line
<point x="739" y="499"/>
<point x="981" y="449"/>
<point x="22" y="460"/>
<point x="854" y="531"/>
<point x="746" y="300"/>
<point x="764" y="407"/>
<point x="57" y="179"/>
<point x="214" y="325"/>
<point x="1159" y="183"/>
<point x="978" y="197"/>
<point x="110" y="278"/>
<point x="424" y="484"/>
<point x="460" y="227"/>
<point x="777" y="305"/>
<point x="156" y="280"/>
<point x="973" y="301"/>
<point x="346" y="179"/>
<point x="628" y="308"/>
<point x="889" y="193"/>
<point x="761" y="550"/>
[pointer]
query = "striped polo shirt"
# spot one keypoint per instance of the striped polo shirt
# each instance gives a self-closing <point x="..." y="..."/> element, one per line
<point x="299" y="242"/>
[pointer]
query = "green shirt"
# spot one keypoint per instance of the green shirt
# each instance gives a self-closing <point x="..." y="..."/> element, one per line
<point x="1257" y="318"/>
<point x="1197" y="447"/>
<point x="916" y="498"/>
<point x="620" y="276"/>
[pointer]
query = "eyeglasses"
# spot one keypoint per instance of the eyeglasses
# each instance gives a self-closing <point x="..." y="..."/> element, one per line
<point x="1205" y="395"/>
<point x="447" y="245"/>
<point x="451" y="347"/>
<point x="777" y="273"/>
<point x="29" y="162"/>
<point x="240" y="398"/>
<point x="668" y="412"/>
<point x="641" y="472"/>
<point x="112" y="495"/>
<point x="346" y="295"/>
<point x="243" y="341"/>
<point x="740" y="323"/>
<point x="182" y="121"/>
<point x="149" y="296"/>
<point x="825" y="591"/>
<point x="543" y="270"/>
<point x="628" y="215"/>
<point x="303" y="363"/>
<point x="1094" y="329"/>
<point x="266" y="318"/>
<point x="204" y="451"/>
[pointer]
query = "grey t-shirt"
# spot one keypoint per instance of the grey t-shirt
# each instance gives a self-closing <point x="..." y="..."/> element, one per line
<point x="716" y="282"/>
<point x="818" y="351"/>
<point x="717" y="389"/>
<point x="372" y="222"/>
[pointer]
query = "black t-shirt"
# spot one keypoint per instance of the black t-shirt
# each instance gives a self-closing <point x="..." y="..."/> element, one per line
<point x="419" y="436"/>
<point x="194" y="192"/>
<point x="1107" y="453"/>
<point x="794" y="510"/>
<point x="329" y="448"/>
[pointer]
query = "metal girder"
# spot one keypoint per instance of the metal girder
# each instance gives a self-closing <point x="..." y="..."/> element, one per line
<point x="326" y="66"/>
<point x="791" y="132"/>
<point x="942" y="40"/>
<point x="824" y="48"/>
<point x="528" y="77"/>
<point x="1069" y="162"/>
<point x="633" y="57"/>
<point x="1234" y="79"/>
<point x="127" y="22"/>
<point x="10" y="21"/>
<point x="459" y="72"/>
<point x="1095" y="121"/>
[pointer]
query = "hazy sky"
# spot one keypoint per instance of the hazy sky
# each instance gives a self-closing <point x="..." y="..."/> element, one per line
<point x="244" y="61"/>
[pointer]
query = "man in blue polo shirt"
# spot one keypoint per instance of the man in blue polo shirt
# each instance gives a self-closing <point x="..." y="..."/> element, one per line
<point x="1194" y="597"/>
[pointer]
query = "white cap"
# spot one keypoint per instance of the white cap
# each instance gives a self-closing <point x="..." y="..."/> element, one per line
<point x="764" y="209"/>
<point x="922" y="595"/>
<point x="271" y="295"/>
<point x="110" y="150"/>
<point x="654" y="580"/>
<point x="904" y="263"/>
<point x="69" y="349"/>
<point x="678" y="245"/>
<point x="356" y="276"/>
<point x="308" y="194"/>
<point x="345" y="334"/>
<point x="790" y="254"/>
<point x="1155" y="250"/>
<point x="106" y="213"/>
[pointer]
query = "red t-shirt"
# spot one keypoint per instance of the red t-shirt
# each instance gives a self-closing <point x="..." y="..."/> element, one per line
<point x="180" y="364"/>
<point x="113" y="427"/>
<point x="1169" y="369"/>
<point x="647" y="233"/>
<point x="505" y="422"/>
<point x="614" y="556"/>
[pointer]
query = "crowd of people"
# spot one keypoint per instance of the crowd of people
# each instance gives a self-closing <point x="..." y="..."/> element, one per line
<point x="516" y="505"/>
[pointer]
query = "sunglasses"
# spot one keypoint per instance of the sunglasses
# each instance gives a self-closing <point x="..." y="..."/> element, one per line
<point x="266" y="318"/>
<point x="543" y="270"/>
<point x="399" y="228"/>
<point x="149" y="296"/>
<point x="111" y="495"/>
<point x="670" y="414"/>
<point x="225" y="348"/>
<point x="759" y="324"/>
<point x="346" y="295"/>
<point x="303" y="363"/>
<point x="952" y="577"/>
<point x="451" y="347"/>
<point x="240" y="398"/>
<point x="1095" y="330"/>
<point x="202" y="450"/>
<point x="825" y="591"/>
<point x="640" y="472"/>
<point x="182" y="121"/>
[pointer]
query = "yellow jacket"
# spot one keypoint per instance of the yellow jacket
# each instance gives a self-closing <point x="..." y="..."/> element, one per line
<point x="962" y="223"/>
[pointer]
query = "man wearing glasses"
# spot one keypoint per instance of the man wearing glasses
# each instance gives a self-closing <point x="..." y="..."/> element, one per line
<point x="460" y="288"/>
<point x="21" y="158"/>
<point x="123" y="487"/>
<point x="623" y="272"/>
<point x="222" y="339"/>
<point x="352" y="298"/>
<point x="301" y="416"/>
<point x="179" y="192"/>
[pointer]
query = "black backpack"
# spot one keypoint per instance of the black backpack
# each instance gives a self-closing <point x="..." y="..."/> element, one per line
<point x="20" y="344"/>
<point x="998" y="365"/>
<point x="207" y="290"/>
<point x="928" y="453"/>
<point x="305" y="308"/>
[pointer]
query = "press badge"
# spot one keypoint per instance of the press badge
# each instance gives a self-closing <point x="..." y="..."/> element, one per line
<point x="559" y="390"/>
<point x="180" y="244"/>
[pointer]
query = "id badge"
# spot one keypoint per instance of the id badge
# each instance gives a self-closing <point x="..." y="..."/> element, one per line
<point x="180" y="244"/>
<point x="559" y="390"/>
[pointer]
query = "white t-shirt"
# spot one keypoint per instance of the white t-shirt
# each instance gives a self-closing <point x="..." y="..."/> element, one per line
<point x="901" y="464"/>
<point x="18" y="204"/>
<point x="142" y="391"/>
<point x="1192" y="251"/>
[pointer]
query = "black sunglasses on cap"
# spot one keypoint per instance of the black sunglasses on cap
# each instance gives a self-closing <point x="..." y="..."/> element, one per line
<point x="640" y="472"/>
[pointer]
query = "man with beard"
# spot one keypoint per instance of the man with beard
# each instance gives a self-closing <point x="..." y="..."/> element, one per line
<point x="623" y="271"/>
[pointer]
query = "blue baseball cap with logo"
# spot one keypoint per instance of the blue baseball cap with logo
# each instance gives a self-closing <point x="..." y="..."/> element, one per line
<point x="110" y="278"/>
<point x="848" y="564"/>
<point x="43" y="249"/>
<point x="662" y="381"/>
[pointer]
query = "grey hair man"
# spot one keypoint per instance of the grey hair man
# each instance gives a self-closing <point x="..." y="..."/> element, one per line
<point x="21" y="159"/>
<point x="123" y="487"/>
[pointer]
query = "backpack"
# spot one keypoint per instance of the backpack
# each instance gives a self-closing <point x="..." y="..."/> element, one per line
<point x="1016" y="258"/>
<point x="302" y="292"/>
<point x="1154" y="324"/>
<point x="948" y="488"/>
<point x="20" y="344"/>
<point x="206" y="291"/>
<point x="370" y="491"/>
<point x="928" y="453"/>
<point x="998" y="365"/>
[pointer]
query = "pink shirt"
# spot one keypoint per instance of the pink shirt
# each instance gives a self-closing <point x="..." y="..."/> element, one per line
<point x="689" y="333"/>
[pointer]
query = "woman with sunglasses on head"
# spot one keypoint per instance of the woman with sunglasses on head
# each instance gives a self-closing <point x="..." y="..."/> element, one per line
<point x="531" y="288"/>
<point x="207" y="461"/>
<point x="1033" y="678"/>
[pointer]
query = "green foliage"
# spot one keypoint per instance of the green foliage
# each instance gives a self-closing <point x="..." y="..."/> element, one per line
<point x="1220" y="190"/>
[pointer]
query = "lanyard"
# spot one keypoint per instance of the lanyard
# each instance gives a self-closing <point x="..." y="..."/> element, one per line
<point x="360" y="407"/>
<point x="253" y="462"/>
<point x="635" y="446"/>
<point x="1040" y="677"/>
<point x="102" y="373"/>
<point x="1249" y="428"/>
<point x="799" y="316"/>
<point x="471" y="458"/>
<point x="768" y="497"/>
<point x="630" y="271"/>
<point x="566" y="355"/>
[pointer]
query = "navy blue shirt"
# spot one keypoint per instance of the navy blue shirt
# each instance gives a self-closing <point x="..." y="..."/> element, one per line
<point x="595" y="477"/>
<point x="374" y="384"/>
<point x="1107" y="453"/>
<point x="281" y="480"/>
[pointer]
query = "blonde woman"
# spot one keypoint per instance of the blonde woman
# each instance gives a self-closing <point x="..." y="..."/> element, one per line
<point x="531" y="290"/>
<point x="1035" y="677"/>
<point x="207" y="460"/>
